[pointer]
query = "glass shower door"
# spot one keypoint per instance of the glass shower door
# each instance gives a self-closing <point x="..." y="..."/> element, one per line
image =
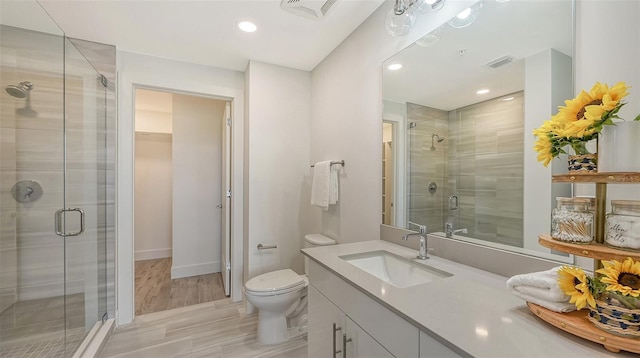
<point x="83" y="217"/>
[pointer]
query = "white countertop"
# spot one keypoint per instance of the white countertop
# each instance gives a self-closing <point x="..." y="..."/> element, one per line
<point x="472" y="310"/>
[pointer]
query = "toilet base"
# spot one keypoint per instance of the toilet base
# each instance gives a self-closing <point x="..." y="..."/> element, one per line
<point x="272" y="328"/>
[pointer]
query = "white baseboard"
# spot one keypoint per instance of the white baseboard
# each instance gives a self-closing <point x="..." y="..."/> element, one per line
<point x="195" y="270"/>
<point x="152" y="254"/>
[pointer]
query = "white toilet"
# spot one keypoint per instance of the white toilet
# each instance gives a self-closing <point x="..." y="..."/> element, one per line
<point x="281" y="298"/>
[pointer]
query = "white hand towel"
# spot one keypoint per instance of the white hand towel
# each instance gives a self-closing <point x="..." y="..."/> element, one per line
<point x="333" y="184"/>
<point x="562" y="307"/>
<point x="320" y="185"/>
<point x="543" y="285"/>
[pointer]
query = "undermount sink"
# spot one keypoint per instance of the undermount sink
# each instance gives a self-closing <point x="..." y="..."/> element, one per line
<point x="393" y="269"/>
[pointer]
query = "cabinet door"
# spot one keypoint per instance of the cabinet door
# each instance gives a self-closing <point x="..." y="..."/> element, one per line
<point x="362" y="345"/>
<point x="322" y="315"/>
<point x="429" y="347"/>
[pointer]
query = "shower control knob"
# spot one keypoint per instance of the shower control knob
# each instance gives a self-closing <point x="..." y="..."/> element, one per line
<point x="26" y="191"/>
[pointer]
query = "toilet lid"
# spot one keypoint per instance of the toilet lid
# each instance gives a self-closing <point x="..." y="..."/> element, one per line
<point x="275" y="281"/>
<point x="319" y="240"/>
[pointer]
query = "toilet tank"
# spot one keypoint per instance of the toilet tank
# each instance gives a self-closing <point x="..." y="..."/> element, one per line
<point x="313" y="240"/>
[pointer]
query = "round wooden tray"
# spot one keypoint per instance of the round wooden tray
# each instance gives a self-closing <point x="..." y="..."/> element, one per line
<point x="578" y="324"/>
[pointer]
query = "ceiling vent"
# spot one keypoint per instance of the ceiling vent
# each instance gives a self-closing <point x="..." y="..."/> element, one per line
<point x="499" y="62"/>
<point x="313" y="9"/>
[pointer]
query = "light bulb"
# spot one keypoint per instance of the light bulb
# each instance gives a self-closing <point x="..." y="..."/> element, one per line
<point x="465" y="17"/>
<point x="464" y="14"/>
<point x="400" y="25"/>
<point x="430" y="6"/>
<point x="431" y="38"/>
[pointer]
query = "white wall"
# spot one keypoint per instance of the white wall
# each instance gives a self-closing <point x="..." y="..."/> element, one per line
<point x="346" y="120"/>
<point x="197" y="188"/>
<point x="619" y="62"/>
<point x="136" y="70"/>
<point x="153" y="200"/>
<point x="153" y="121"/>
<point x="547" y="84"/>
<point x="278" y="205"/>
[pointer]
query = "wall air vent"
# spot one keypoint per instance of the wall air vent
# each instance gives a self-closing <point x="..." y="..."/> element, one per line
<point x="499" y="62"/>
<point x="312" y="9"/>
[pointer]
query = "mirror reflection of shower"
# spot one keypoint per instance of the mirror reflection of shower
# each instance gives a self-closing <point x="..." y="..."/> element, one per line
<point x="438" y="138"/>
<point x="23" y="90"/>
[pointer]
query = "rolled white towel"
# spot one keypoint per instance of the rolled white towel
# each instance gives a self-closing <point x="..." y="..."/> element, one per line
<point x="562" y="307"/>
<point x="543" y="285"/>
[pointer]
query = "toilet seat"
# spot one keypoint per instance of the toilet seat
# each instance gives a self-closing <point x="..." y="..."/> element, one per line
<point x="275" y="283"/>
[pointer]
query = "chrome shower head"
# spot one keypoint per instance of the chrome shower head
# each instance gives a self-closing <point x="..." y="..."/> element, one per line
<point x="438" y="138"/>
<point x="21" y="90"/>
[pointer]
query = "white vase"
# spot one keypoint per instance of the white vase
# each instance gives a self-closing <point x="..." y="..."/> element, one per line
<point x="619" y="148"/>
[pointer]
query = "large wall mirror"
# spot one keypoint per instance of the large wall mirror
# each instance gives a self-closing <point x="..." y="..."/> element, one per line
<point x="459" y="109"/>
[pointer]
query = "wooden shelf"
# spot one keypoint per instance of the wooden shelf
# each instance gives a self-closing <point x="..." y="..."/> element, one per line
<point x="593" y="250"/>
<point x="578" y="324"/>
<point x="601" y="178"/>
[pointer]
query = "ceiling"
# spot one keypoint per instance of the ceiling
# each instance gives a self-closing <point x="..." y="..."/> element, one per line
<point x="205" y="32"/>
<point x="447" y="74"/>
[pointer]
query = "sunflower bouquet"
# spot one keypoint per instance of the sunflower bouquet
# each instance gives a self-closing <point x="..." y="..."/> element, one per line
<point x="613" y="296"/>
<point x="579" y="121"/>
<point x="619" y="279"/>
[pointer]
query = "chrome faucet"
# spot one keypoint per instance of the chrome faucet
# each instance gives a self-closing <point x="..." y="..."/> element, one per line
<point x="422" y="233"/>
<point x="449" y="232"/>
<point x="448" y="229"/>
<point x="463" y="230"/>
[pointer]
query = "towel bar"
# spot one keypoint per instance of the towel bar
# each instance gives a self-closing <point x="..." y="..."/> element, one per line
<point x="333" y="162"/>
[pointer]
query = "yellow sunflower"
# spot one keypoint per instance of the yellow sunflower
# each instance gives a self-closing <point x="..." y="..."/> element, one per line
<point x="544" y="146"/>
<point x="623" y="277"/>
<point x="574" y="282"/>
<point x="610" y="100"/>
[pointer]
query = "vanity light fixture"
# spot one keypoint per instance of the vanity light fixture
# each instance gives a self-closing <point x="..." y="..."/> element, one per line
<point x="247" y="26"/>
<point x="465" y="17"/>
<point x="394" y="66"/>
<point x="402" y="17"/>
<point x="483" y="91"/>
<point x="431" y="38"/>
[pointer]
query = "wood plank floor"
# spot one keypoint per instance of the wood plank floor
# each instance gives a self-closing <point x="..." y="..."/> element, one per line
<point x="218" y="329"/>
<point x="156" y="291"/>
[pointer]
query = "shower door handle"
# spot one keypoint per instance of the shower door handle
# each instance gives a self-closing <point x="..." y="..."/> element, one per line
<point x="453" y="202"/>
<point x="58" y="222"/>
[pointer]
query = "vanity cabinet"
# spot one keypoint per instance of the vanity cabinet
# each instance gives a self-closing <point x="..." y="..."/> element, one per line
<point x="330" y="330"/>
<point x="372" y="328"/>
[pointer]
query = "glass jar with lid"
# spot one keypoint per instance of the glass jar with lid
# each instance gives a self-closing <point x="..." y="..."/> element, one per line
<point x="623" y="224"/>
<point x="572" y="220"/>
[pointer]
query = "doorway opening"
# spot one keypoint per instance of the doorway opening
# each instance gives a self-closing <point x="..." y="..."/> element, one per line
<point x="181" y="206"/>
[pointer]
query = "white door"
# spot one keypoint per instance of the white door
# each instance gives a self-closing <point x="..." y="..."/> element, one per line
<point x="225" y="227"/>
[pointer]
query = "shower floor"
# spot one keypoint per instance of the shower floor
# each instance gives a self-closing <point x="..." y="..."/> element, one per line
<point x="36" y="328"/>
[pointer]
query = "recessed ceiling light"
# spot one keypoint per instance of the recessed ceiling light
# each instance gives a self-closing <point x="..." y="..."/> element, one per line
<point x="508" y="99"/>
<point x="483" y="91"/>
<point x="394" y="66"/>
<point x="247" y="26"/>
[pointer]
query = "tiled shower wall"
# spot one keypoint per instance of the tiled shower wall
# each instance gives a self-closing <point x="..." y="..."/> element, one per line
<point x="427" y="166"/>
<point x="32" y="146"/>
<point x="33" y="256"/>
<point x="480" y="161"/>
<point x="486" y="169"/>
